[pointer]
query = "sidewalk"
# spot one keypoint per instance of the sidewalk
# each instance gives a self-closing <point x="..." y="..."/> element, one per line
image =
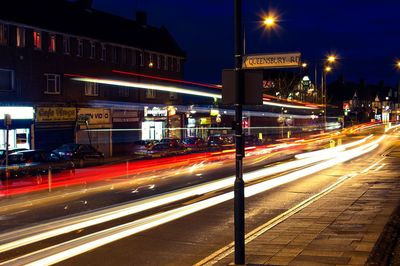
<point x="344" y="227"/>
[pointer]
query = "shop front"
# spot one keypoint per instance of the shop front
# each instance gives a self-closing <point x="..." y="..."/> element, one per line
<point x="126" y="130"/>
<point x="20" y="130"/>
<point x="94" y="127"/>
<point x="155" y="123"/>
<point x="54" y="126"/>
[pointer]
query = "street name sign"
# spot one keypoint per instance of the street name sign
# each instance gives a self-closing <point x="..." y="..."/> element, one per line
<point x="271" y="60"/>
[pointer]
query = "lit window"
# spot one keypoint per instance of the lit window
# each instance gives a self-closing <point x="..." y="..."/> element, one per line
<point x="6" y="80"/>
<point x="66" y="44"/>
<point x="52" y="43"/>
<point x="150" y="94"/>
<point x="103" y="52"/>
<point x="53" y="85"/>
<point x="3" y="34"/>
<point x="91" y="89"/>
<point x="20" y="32"/>
<point x="37" y="40"/>
<point x="123" y="92"/>
<point x="80" y="47"/>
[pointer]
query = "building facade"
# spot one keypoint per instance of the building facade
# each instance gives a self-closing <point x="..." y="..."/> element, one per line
<point x="45" y="45"/>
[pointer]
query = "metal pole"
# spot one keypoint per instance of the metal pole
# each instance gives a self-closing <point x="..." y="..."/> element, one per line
<point x="239" y="183"/>
<point x="7" y="144"/>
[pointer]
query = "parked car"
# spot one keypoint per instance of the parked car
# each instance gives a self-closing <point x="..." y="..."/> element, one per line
<point x="221" y="142"/>
<point x="33" y="163"/>
<point x="3" y="153"/>
<point x="172" y="141"/>
<point x="164" y="150"/>
<point x="194" y="144"/>
<point x="252" y="140"/>
<point x="78" y="152"/>
<point x="141" y="146"/>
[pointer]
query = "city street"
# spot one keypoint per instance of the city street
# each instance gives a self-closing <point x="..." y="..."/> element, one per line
<point x="191" y="239"/>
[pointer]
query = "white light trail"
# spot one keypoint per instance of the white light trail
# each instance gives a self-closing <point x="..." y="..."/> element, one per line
<point x="66" y="250"/>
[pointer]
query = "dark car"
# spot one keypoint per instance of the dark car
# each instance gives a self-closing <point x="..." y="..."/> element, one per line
<point x="141" y="146"/>
<point x="78" y="152"/>
<point x="221" y="142"/>
<point x="252" y="140"/>
<point x="164" y="150"/>
<point x="33" y="163"/>
<point x="3" y="153"/>
<point x="172" y="141"/>
<point x="194" y="144"/>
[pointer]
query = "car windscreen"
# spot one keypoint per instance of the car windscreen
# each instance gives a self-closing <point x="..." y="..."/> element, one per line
<point x="16" y="159"/>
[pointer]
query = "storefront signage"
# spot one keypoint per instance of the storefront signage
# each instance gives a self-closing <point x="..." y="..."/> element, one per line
<point x="17" y="112"/>
<point x="155" y="111"/>
<point x="205" y="121"/>
<point x="271" y="60"/>
<point x="97" y="115"/>
<point x="125" y="116"/>
<point x="55" y="114"/>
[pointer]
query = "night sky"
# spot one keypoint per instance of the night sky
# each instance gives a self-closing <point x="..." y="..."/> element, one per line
<point x="365" y="34"/>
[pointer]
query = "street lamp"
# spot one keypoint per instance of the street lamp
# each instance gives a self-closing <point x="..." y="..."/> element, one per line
<point x="304" y="65"/>
<point x="331" y="59"/>
<point x="269" y="22"/>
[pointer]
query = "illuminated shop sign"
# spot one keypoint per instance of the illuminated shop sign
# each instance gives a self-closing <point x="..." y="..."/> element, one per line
<point x="155" y="111"/>
<point x="96" y="115"/>
<point x="55" y="114"/>
<point x="17" y="112"/>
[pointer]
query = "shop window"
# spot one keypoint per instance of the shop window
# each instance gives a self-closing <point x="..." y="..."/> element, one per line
<point x="6" y="80"/>
<point x="67" y="45"/>
<point x="92" y="50"/>
<point x="150" y="94"/>
<point x="91" y="89"/>
<point x="52" y="43"/>
<point x="20" y="34"/>
<point x="53" y="84"/>
<point x="37" y="40"/>
<point x="80" y="48"/>
<point x="123" y="92"/>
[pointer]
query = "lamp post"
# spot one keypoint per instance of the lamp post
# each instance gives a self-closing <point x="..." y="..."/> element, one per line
<point x="239" y="183"/>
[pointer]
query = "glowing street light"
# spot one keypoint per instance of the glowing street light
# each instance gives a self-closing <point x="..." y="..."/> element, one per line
<point x="328" y="69"/>
<point x="331" y="59"/>
<point x="398" y="64"/>
<point x="304" y="65"/>
<point x="269" y="21"/>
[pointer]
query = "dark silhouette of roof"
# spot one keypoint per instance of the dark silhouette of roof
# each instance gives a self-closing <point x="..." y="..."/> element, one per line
<point x="78" y="18"/>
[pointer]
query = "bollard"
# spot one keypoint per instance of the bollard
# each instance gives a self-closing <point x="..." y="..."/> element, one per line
<point x="339" y="142"/>
<point x="289" y="133"/>
<point x="49" y="177"/>
<point x="331" y="144"/>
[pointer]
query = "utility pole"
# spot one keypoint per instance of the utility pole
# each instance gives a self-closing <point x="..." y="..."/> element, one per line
<point x="239" y="183"/>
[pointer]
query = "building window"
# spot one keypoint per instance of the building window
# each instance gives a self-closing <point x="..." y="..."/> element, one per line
<point x="103" y="52"/>
<point x="173" y="96"/>
<point x="66" y="44"/>
<point x="150" y="94"/>
<point x="133" y="54"/>
<point x="6" y="80"/>
<point x="92" y="50"/>
<point x="80" y="48"/>
<point x="178" y="65"/>
<point x="158" y="61"/>
<point x="20" y="32"/>
<point x="37" y="40"/>
<point x="123" y="92"/>
<point x="151" y="64"/>
<point x="3" y="34"/>
<point x="53" y="85"/>
<point x="91" y="89"/>
<point x="141" y="59"/>
<point x="173" y="63"/>
<point x="124" y="59"/>
<point x="114" y="54"/>
<point x="52" y="43"/>
<point x="165" y="62"/>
